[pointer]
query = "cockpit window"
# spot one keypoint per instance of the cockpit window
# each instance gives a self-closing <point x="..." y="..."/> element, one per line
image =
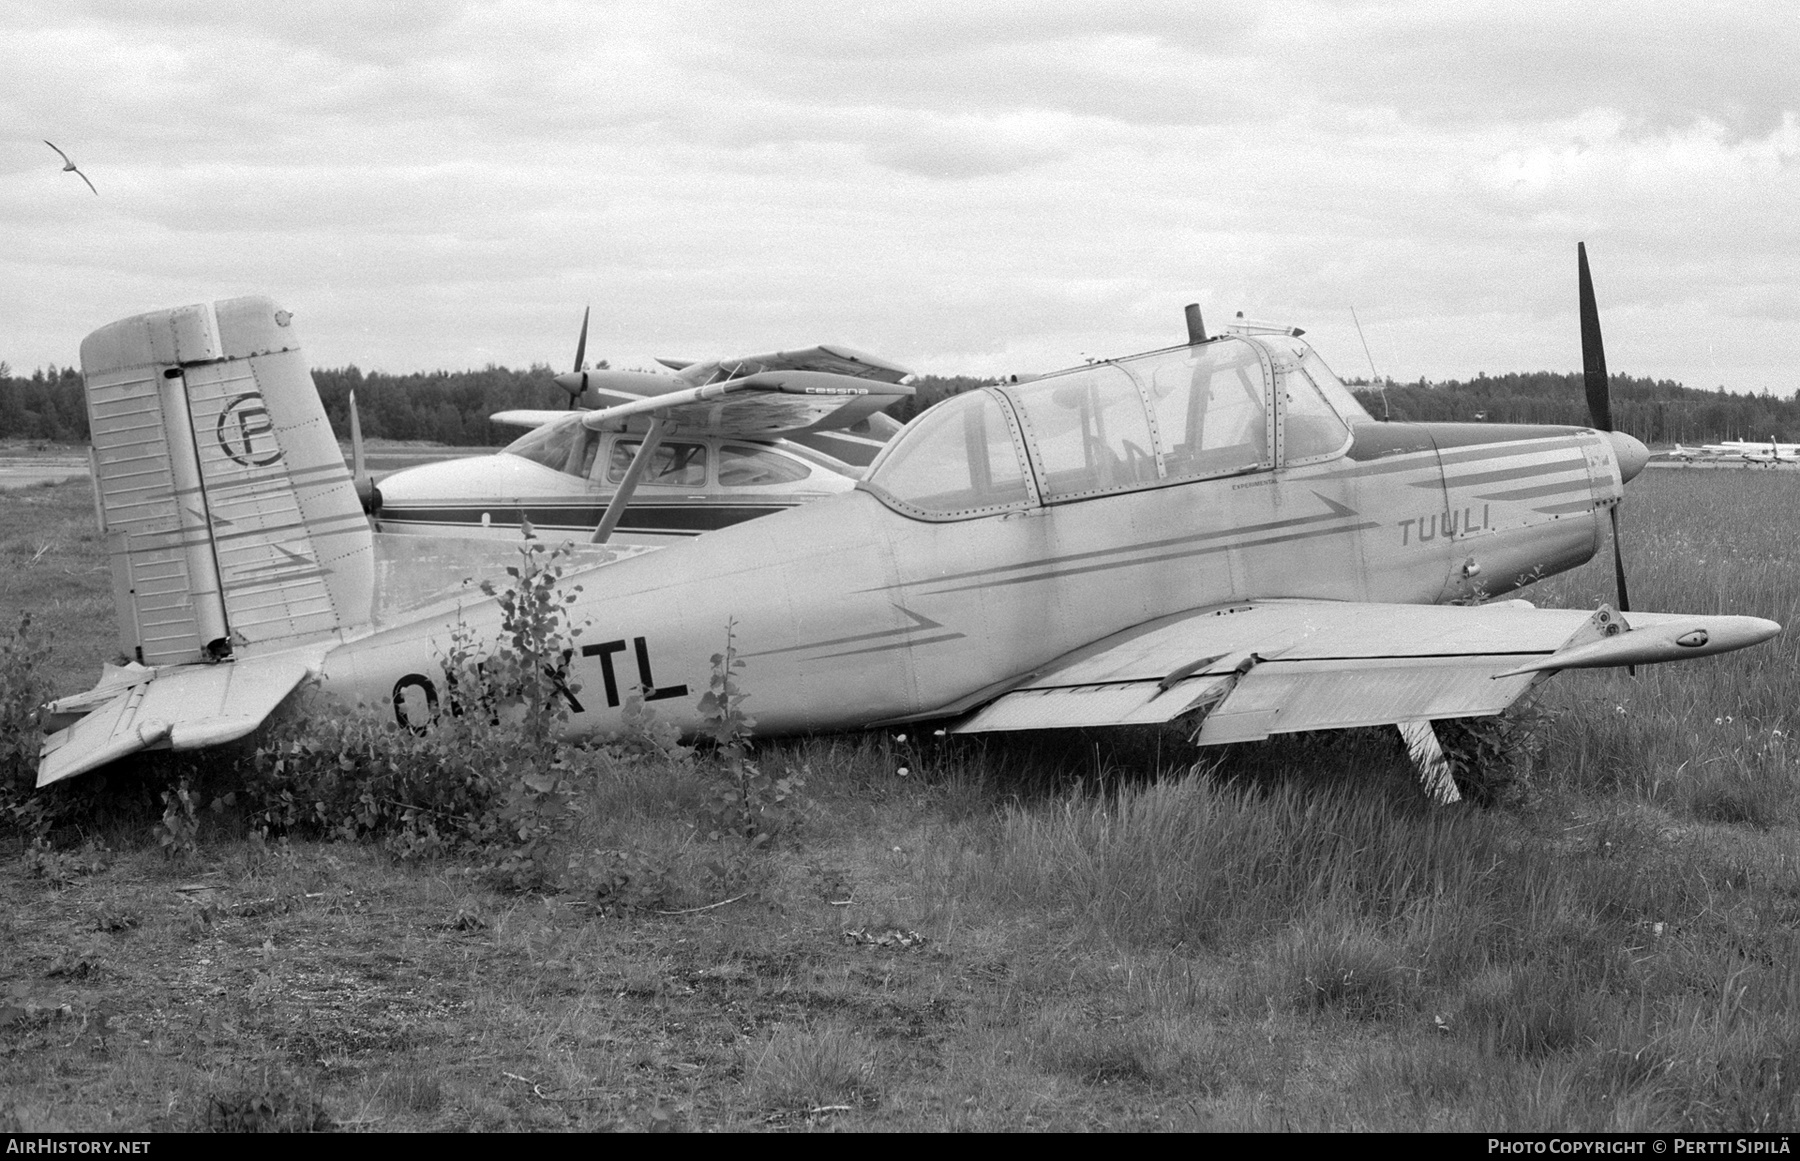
<point x="960" y="459"/>
<point x="1311" y="429"/>
<point x="757" y="467"/>
<point x="1330" y="386"/>
<point x="1187" y="413"/>
<point x="1087" y="432"/>
<point x="1210" y="408"/>
<point x="672" y="465"/>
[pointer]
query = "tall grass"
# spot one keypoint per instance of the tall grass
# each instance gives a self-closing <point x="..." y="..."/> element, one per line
<point x="1191" y="859"/>
<point x="1609" y="973"/>
<point x="1706" y="739"/>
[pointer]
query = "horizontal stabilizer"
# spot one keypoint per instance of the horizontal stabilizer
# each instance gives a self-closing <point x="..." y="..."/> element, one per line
<point x="186" y="707"/>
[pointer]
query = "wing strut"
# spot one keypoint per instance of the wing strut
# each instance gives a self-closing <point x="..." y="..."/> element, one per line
<point x="615" y="508"/>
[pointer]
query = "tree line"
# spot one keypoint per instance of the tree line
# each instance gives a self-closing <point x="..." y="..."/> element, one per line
<point x="1657" y="411"/>
<point x="452" y="407"/>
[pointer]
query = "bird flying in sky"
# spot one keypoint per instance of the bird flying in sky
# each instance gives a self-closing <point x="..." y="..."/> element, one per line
<point x="69" y="167"/>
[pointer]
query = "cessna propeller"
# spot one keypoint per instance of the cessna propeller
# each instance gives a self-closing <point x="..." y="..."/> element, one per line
<point x="578" y="387"/>
<point x="366" y="491"/>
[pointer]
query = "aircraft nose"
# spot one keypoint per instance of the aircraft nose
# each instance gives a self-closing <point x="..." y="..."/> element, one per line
<point x="1632" y="455"/>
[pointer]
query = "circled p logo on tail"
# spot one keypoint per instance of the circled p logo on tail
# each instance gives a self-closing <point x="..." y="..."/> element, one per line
<point x="246" y="434"/>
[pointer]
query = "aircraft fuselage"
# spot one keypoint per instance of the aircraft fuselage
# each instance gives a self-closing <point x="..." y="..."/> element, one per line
<point x="848" y="612"/>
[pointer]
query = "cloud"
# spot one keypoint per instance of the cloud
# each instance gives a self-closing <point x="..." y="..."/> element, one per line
<point x="961" y="187"/>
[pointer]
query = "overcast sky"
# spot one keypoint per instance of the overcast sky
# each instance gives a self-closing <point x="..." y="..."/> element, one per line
<point x="967" y="186"/>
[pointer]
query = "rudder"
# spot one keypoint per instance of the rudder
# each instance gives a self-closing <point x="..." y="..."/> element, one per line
<point x="231" y="521"/>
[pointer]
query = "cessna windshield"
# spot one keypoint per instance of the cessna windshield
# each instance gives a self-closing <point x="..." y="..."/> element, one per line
<point x="1221" y="408"/>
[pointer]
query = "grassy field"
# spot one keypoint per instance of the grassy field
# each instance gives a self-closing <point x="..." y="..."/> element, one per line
<point x="1061" y="931"/>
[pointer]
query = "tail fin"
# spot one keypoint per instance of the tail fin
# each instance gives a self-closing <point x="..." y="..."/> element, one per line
<point x="232" y="523"/>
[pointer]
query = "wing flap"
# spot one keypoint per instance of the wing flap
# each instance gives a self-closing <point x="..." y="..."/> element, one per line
<point x="183" y="708"/>
<point x="1113" y="704"/>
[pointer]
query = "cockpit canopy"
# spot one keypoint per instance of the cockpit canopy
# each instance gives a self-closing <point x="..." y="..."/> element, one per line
<point x="1232" y="405"/>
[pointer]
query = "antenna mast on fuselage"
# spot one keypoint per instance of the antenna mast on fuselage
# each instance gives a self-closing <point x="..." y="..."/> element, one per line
<point x="1379" y="385"/>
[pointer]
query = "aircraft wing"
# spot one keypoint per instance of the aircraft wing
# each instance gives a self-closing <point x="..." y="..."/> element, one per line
<point x="764" y="405"/>
<point x="525" y="418"/>
<point x="187" y="707"/>
<point x="834" y="359"/>
<point x="1270" y="667"/>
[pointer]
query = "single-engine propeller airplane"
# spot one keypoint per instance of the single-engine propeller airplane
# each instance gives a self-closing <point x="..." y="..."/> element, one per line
<point x="709" y="467"/>
<point x="1215" y="531"/>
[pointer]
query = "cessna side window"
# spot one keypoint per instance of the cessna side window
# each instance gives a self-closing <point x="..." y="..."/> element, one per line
<point x="757" y="467"/>
<point x="1209" y="406"/>
<point x="672" y="464"/>
<point x="1087" y="432"/>
<point x="549" y="445"/>
<point x="959" y="459"/>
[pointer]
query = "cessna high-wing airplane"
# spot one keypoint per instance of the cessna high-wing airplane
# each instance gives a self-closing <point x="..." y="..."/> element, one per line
<point x="1214" y="531"/>
<point x="706" y="467"/>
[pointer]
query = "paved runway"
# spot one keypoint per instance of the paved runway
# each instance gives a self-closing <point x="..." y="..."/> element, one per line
<point x="24" y="471"/>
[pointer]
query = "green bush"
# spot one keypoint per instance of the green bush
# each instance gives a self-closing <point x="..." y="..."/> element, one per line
<point x="490" y="776"/>
<point x="744" y="802"/>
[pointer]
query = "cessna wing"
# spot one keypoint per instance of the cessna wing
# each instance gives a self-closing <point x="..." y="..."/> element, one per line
<point x="1270" y="667"/>
<point x="763" y="405"/>
<point x="521" y="417"/>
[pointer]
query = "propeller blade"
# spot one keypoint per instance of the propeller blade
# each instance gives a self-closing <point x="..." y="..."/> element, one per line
<point x="1599" y="399"/>
<point x="580" y="358"/>
<point x="356" y="444"/>
<point x="1593" y="351"/>
<point x="366" y="491"/>
<point x="1619" y="576"/>
<point x="1619" y="563"/>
